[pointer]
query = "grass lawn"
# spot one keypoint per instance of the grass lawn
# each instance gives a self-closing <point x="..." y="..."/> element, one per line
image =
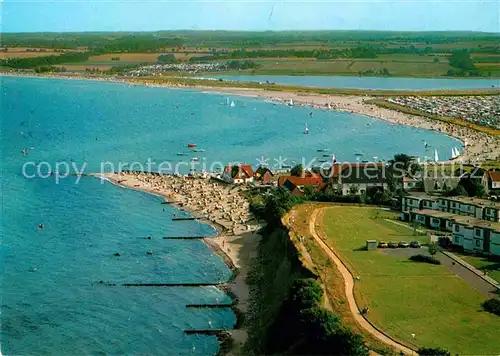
<point x="484" y="264"/>
<point x="405" y="297"/>
<point x="330" y="276"/>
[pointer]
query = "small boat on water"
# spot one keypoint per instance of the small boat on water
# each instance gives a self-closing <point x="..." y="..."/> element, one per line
<point x="326" y="155"/>
<point x="191" y="145"/>
<point x="195" y="159"/>
<point x="454" y="153"/>
<point x="290" y="103"/>
<point x="199" y="150"/>
<point x="306" y="131"/>
<point x="232" y="104"/>
<point x="358" y="153"/>
<point x="322" y="160"/>
<point x="182" y="154"/>
<point x="323" y="150"/>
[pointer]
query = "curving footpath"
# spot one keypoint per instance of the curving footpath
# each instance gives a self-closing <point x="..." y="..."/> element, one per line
<point x="349" y="291"/>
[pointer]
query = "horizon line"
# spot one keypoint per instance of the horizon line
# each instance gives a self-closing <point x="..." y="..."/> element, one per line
<point x="257" y="31"/>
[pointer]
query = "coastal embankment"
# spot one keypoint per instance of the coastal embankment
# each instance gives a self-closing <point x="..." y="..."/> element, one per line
<point x="224" y="207"/>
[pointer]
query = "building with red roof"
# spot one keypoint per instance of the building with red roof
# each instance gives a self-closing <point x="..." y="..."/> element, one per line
<point x="238" y="174"/>
<point x="263" y="174"/>
<point x="296" y="184"/>
<point x="491" y="182"/>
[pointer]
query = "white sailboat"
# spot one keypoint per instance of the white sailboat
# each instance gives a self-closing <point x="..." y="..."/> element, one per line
<point x="436" y="157"/>
<point x="232" y="104"/>
<point x="290" y="103"/>
<point x="306" y="131"/>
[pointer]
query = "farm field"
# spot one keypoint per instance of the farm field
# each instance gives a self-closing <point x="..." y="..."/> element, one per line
<point x="78" y="67"/>
<point x="405" y="297"/>
<point x="400" y="66"/>
<point x="132" y="58"/>
<point x="21" y="52"/>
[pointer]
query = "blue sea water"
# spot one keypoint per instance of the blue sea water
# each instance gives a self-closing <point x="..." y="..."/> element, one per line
<point x="51" y="301"/>
<point x="369" y="83"/>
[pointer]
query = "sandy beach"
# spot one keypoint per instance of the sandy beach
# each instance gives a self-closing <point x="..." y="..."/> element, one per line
<point x="219" y="204"/>
<point x="478" y="146"/>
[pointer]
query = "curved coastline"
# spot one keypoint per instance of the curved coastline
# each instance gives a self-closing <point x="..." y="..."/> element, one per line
<point x="477" y="146"/>
<point x="235" y="246"/>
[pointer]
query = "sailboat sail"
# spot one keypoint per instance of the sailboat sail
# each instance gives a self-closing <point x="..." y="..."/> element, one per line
<point x="232" y="104"/>
<point x="306" y="131"/>
<point x="290" y="103"/>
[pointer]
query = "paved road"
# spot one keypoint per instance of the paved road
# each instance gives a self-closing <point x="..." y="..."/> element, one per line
<point x="349" y="290"/>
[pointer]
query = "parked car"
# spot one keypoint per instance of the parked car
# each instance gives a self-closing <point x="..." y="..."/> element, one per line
<point x="403" y="244"/>
<point x="392" y="244"/>
<point x="415" y="244"/>
<point x="382" y="244"/>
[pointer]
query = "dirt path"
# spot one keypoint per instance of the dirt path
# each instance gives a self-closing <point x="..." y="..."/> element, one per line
<point x="349" y="290"/>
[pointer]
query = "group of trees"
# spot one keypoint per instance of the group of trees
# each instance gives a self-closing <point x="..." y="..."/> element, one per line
<point x="167" y="59"/>
<point x="45" y="61"/>
<point x="355" y="52"/>
<point x="383" y="72"/>
<point x="242" y="65"/>
<point x="303" y="327"/>
<point x="462" y="64"/>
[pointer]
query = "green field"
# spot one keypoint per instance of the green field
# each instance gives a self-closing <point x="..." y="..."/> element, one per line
<point x="397" y="65"/>
<point x="367" y="53"/>
<point x="405" y="297"/>
<point x="484" y="264"/>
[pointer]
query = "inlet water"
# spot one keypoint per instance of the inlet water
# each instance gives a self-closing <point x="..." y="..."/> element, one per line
<point x="369" y="83"/>
<point x="52" y="302"/>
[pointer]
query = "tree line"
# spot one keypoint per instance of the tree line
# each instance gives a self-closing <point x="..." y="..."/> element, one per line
<point x="45" y="61"/>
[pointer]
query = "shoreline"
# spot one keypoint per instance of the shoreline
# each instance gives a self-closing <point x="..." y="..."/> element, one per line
<point x="480" y="146"/>
<point x="236" y="246"/>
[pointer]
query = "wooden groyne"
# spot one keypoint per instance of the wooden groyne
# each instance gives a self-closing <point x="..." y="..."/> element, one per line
<point x="199" y="306"/>
<point x="184" y="218"/>
<point x="215" y="332"/>
<point x="220" y="285"/>
<point x="170" y="284"/>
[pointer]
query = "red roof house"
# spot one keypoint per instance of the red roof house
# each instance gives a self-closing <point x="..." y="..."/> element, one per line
<point x="236" y="174"/>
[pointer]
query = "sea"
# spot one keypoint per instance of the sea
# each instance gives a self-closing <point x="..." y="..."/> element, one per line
<point x="369" y="83"/>
<point x="52" y="298"/>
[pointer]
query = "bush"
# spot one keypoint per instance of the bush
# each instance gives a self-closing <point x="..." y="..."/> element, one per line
<point x="166" y="59"/>
<point x="306" y="293"/>
<point x="492" y="305"/>
<point x="426" y="259"/>
<point x="433" y="351"/>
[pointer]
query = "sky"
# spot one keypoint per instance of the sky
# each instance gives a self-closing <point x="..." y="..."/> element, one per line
<point x="249" y="15"/>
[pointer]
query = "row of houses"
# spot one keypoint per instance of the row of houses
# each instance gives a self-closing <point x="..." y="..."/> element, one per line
<point x="358" y="178"/>
<point x="474" y="223"/>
